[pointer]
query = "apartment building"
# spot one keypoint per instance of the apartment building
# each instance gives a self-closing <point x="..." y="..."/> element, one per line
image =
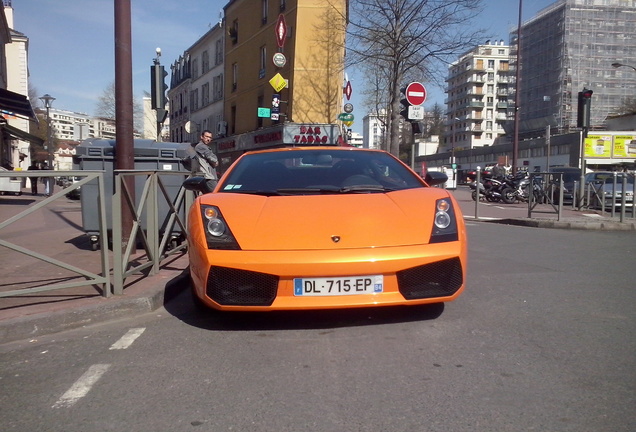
<point x="569" y="46"/>
<point x="197" y="89"/>
<point x="478" y="92"/>
<point x="290" y="48"/>
<point x="15" y="108"/>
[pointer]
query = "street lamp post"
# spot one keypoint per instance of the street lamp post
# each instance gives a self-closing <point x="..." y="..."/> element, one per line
<point x="48" y="100"/>
<point x="617" y="65"/>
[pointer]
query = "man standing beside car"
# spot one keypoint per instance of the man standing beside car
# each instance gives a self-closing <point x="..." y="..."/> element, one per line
<point x="207" y="160"/>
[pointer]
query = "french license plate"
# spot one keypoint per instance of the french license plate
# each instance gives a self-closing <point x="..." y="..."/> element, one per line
<point x="333" y="286"/>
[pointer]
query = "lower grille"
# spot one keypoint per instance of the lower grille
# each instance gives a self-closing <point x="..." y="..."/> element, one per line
<point x="234" y="287"/>
<point x="439" y="279"/>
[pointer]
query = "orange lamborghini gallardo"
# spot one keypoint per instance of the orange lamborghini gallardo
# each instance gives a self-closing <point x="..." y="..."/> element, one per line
<point x="324" y="227"/>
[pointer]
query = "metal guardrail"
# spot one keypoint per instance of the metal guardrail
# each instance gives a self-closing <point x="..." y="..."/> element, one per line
<point x="154" y="240"/>
<point x="102" y="279"/>
<point x="158" y="246"/>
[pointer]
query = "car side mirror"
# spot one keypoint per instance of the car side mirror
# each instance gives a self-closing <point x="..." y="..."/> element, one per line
<point x="434" y="178"/>
<point x="196" y="184"/>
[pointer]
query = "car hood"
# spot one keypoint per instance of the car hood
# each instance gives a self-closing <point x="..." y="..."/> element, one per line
<point x="314" y="221"/>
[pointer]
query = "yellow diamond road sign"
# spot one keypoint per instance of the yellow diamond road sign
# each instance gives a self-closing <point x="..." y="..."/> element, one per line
<point x="278" y="82"/>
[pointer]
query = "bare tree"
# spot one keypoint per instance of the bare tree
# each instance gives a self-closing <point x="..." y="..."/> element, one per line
<point x="397" y="40"/>
<point x="322" y="69"/>
<point x="628" y="106"/>
<point x="106" y="106"/>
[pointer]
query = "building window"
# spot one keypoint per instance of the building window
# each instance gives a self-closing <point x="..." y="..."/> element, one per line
<point x="195" y="68"/>
<point x="217" y="88"/>
<point x="218" y="53"/>
<point x="259" y="103"/>
<point x="233" y="31"/>
<point x="234" y="76"/>
<point x="263" y="62"/>
<point x="264" y="7"/>
<point x="205" y="94"/>
<point x="205" y="62"/>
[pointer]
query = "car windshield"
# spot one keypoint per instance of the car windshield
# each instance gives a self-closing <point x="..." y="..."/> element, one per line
<point x="320" y="171"/>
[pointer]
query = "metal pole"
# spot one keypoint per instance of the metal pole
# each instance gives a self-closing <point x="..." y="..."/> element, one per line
<point x="582" y="184"/>
<point x="547" y="141"/>
<point x="515" y="143"/>
<point x="478" y="191"/>
<point x="124" y="152"/>
<point x="49" y="180"/>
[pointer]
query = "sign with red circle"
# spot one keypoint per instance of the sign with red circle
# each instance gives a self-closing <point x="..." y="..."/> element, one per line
<point x="415" y="93"/>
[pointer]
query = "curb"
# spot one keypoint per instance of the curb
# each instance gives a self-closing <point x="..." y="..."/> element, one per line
<point x="577" y="224"/>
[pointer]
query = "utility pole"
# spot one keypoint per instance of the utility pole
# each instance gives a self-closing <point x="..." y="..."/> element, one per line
<point x="124" y="151"/>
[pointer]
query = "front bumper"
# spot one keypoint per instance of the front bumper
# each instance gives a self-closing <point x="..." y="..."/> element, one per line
<point x="250" y="280"/>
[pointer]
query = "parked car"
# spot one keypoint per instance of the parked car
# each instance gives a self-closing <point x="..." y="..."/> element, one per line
<point x="571" y="178"/>
<point x="324" y="228"/>
<point x="603" y="188"/>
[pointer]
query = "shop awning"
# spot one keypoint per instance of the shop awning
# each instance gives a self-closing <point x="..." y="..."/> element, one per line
<point x="20" y="134"/>
<point x="15" y="104"/>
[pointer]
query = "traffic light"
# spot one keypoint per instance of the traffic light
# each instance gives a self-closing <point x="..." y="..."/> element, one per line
<point x="583" y="114"/>
<point x="158" y="87"/>
<point x="404" y="112"/>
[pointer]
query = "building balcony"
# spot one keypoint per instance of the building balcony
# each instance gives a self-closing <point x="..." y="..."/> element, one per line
<point x="502" y="105"/>
<point x="476" y="104"/>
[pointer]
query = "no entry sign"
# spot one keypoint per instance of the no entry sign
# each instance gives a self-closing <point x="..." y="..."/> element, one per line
<point x="415" y="93"/>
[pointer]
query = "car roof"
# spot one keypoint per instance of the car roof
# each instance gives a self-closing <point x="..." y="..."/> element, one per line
<point x="313" y="149"/>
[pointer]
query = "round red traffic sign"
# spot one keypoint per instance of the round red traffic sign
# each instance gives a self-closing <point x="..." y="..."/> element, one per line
<point x="415" y="93"/>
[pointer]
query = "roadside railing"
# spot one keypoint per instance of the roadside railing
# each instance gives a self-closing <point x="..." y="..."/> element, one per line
<point x="158" y="226"/>
<point x="160" y="238"/>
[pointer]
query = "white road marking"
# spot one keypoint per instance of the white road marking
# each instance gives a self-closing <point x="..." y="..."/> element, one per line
<point x="127" y="339"/>
<point x="82" y="386"/>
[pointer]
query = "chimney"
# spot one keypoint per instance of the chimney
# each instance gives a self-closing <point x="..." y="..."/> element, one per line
<point x="8" y="12"/>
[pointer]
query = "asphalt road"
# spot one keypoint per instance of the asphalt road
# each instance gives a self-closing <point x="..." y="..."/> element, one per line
<point x="543" y="339"/>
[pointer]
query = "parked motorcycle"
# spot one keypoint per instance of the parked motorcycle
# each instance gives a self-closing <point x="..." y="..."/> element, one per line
<point x="490" y="189"/>
<point x="517" y="188"/>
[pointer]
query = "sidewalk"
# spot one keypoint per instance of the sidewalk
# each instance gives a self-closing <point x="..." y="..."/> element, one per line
<point x="543" y="215"/>
<point x="57" y="232"/>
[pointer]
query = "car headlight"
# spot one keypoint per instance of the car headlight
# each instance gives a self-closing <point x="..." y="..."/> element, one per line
<point x="444" y="223"/>
<point x="217" y="232"/>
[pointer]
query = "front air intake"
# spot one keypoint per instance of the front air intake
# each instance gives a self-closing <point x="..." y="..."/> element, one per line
<point x="438" y="279"/>
<point x="235" y="287"/>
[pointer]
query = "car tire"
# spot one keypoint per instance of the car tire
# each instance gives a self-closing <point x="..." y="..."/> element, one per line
<point x="508" y="196"/>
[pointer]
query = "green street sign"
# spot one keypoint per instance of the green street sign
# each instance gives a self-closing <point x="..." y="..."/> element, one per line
<point x="264" y="112"/>
<point x="345" y="117"/>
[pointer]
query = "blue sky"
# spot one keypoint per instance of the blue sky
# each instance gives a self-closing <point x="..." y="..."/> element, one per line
<point x="71" y="43"/>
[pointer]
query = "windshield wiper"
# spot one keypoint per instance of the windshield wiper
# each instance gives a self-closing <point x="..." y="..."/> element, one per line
<point x="365" y="188"/>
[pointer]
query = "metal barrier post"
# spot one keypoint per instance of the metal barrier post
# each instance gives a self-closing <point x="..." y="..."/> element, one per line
<point x="153" y="223"/>
<point x="614" y="195"/>
<point x="477" y="189"/>
<point x="623" y="200"/>
<point x="118" y="271"/>
<point x="560" y="206"/>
